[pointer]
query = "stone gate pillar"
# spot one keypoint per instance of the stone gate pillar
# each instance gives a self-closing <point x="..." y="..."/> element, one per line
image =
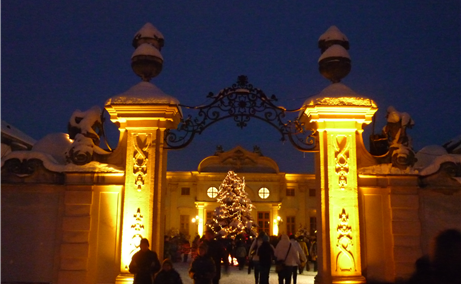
<point x="339" y="115"/>
<point x="143" y="113"/>
<point x="142" y="127"/>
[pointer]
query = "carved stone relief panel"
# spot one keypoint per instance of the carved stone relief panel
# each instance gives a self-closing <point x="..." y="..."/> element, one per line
<point x="141" y="143"/>
<point x="345" y="260"/>
<point x="342" y="159"/>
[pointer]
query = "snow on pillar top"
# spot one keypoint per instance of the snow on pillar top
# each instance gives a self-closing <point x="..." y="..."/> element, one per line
<point x="334" y="63"/>
<point x="149" y="34"/>
<point x="332" y="36"/>
<point x="147" y="61"/>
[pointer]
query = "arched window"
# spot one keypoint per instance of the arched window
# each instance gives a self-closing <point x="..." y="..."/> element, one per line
<point x="212" y="192"/>
<point x="263" y="193"/>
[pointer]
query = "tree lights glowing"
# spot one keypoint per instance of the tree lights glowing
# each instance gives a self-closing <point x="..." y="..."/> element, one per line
<point x="233" y="216"/>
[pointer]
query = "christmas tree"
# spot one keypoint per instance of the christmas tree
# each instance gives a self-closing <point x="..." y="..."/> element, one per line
<point x="233" y="216"/>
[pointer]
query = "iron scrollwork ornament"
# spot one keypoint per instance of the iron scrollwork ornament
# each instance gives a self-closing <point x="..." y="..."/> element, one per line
<point x="241" y="102"/>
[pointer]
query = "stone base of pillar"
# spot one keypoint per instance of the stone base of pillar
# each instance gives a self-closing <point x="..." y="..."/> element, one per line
<point x="124" y="279"/>
<point x="349" y="279"/>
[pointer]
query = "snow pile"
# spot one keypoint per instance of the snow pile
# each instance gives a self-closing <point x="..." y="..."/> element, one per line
<point x="147" y="49"/>
<point x="54" y="145"/>
<point x="339" y="94"/>
<point x="149" y="31"/>
<point x="335" y="51"/>
<point x="386" y="169"/>
<point x="142" y="93"/>
<point x="51" y="164"/>
<point x="333" y="33"/>
<point x="435" y="166"/>
<point x="429" y="161"/>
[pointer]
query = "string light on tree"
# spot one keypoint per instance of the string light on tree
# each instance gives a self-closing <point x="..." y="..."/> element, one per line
<point x="233" y="216"/>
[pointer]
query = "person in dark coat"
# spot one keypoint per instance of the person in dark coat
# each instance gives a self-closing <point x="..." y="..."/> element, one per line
<point x="254" y="256"/>
<point x="241" y="254"/>
<point x="185" y="250"/>
<point x="167" y="275"/>
<point x="144" y="264"/>
<point x="202" y="268"/>
<point x="217" y="252"/>
<point x="266" y="255"/>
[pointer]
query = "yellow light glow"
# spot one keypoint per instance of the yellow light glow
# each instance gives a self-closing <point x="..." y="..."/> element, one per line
<point x="338" y="123"/>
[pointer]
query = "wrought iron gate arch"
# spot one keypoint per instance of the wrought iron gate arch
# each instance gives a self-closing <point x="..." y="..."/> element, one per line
<point x="242" y="102"/>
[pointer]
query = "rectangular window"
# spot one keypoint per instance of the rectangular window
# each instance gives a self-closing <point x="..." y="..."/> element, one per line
<point x="209" y="216"/>
<point x="312" y="225"/>
<point x="290" y="192"/>
<point x="264" y="221"/>
<point x="185" y="190"/>
<point x="291" y="225"/>
<point x="312" y="192"/>
<point x="184" y="224"/>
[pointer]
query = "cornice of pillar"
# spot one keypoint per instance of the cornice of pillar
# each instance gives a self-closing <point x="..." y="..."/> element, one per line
<point x="328" y="113"/>
<point x="138" y="117"/>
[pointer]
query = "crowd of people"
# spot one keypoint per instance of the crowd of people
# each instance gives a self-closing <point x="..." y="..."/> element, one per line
<point x="290" y="255"/>
<point x="211" y="254"/>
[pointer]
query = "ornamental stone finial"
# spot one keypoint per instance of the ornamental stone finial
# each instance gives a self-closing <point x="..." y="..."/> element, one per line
<point x="147" y="61"/>
<point x="334" y="63"/>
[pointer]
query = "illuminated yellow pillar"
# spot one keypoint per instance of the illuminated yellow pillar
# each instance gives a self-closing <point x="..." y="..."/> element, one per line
<point x="339" y="115"/>
<point x="201" y="217"/>
<point x="276" y="219"/>
<point x="142" y="114"/>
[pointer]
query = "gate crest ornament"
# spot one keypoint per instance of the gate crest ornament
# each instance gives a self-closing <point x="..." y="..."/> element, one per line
<point x="241" y="102"/>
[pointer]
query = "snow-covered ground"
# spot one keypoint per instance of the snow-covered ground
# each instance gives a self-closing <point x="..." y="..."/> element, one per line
<point x="236" y="276"/>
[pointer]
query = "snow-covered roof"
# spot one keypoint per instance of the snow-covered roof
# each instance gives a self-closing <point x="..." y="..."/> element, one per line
<point x="51" y="164"/>
<point x="435" y="165"/>
<point x="147" y="49"/>
<point x="54" y="145"/>
<point x="142" y="93"/>
<point x="17" y="134"/>
<point x="339" y="94"/>
<point x="429" y="161"/>
<point x="335" y="50"/>
<point x="333" y="33"/>
<point x="386" y="169"/>
<point x="148" y="30"/>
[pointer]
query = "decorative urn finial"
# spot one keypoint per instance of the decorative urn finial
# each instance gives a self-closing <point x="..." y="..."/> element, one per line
<point x="334" y="63"/>
<point x="147" y="61"/>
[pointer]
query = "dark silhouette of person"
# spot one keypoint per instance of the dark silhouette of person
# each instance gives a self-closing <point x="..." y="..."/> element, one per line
<point x="167" y="275"/>
<point x="446" y="261"/>
<point x="241" y="254"/>
<point x="266" y="256"/>
<point x="217" y="252"/>
<point x="202" y="269"/>
<point x="144" y="264"/>
<point x="444" y="264"/>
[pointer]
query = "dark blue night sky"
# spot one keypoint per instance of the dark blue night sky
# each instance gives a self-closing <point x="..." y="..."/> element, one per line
<point x="59" y="56"/>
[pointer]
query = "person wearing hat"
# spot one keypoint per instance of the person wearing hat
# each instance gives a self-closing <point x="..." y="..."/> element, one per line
<point x="167" y="275"/>
<point x="144" y="264"/>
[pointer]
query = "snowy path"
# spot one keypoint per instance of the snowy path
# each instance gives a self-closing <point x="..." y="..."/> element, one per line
<point x="236" y="276"/>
